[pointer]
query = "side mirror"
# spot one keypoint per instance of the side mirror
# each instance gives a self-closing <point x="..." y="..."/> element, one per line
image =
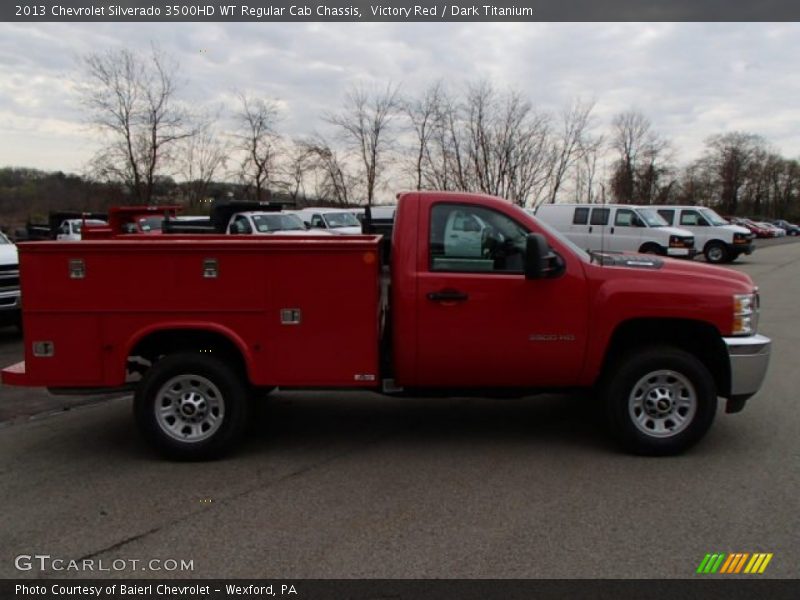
<point x="540" y="260"/>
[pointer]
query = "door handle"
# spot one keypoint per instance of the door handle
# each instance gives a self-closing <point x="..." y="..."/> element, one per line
<point x="612" y="230"/>
<point x="448" y="296"/>
<point x="590" y="229"/>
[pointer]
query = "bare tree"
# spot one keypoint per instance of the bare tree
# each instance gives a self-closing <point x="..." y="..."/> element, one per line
<point x="201" y="158"/>
<point x="258" y="139"/>
<point x="639" y="164"/>
<point x="334" y="183"/>
<point x="569" y="143"/>
<point x="586" y="168"/>
<point x="364" y="123"/>
<point x="505" y="145"/>
<point x="424" y="114"/>
<point x="132" y="100"/>
<point x="728" y="158"/>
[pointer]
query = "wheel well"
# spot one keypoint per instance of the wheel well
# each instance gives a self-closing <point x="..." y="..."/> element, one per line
<point x="658" y="247"/>
<point x="695" y="337"/>
<point x="161" y="343"/>
<point x="714" y="242"/>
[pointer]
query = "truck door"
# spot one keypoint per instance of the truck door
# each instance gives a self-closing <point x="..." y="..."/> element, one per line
<point x="480" y="322"/>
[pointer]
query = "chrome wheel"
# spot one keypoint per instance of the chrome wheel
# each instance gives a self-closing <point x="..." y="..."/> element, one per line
<point x="189" y="408"/>
<point x="662" y="403"/>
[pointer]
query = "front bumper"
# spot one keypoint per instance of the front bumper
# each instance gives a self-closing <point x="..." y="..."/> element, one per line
<point x="10" y="306"/>
<point x="749" y="359"/>
<point x="738" y="249"/>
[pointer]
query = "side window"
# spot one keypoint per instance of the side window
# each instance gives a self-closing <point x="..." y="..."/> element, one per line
<point x="600" y="216"/>
<point x="471" y="239"/>
<point x="240" y="225"/>
<point x="667" y="215"/>
<point x="692" y="218"/>
<point x="581" y="216"/>
<point x="625" y="218"/>
<point x="317" y="222"/>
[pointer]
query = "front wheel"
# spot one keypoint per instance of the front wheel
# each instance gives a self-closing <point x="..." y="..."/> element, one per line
<point x="660" y="401"/>
<point x="716" y="252"/>
<point x="192" y="407"/>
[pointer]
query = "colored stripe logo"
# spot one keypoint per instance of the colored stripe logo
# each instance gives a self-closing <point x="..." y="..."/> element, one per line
<point x="734" y="563"/>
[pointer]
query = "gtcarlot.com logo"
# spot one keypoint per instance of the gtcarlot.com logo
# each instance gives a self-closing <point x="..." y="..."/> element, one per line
<point x="46" y="562"/>
<point x="735" y="563"/>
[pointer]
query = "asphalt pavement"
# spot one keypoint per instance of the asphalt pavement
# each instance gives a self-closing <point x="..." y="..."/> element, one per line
<point x="346" y="485"/>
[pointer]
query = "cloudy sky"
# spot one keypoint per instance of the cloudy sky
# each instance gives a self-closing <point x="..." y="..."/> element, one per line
<point x="691" y="80"/>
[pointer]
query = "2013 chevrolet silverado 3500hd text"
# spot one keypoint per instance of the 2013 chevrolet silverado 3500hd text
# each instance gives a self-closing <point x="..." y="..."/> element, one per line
<point x="481" y="298"/>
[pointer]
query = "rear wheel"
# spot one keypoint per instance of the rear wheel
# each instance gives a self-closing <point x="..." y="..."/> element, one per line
<point x="716" y="252"/>
<point x="191" y="407"/>
<point x="660" y="401"/>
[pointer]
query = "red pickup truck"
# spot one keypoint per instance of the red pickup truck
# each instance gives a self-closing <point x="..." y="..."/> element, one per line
<point x="481" y="299"/>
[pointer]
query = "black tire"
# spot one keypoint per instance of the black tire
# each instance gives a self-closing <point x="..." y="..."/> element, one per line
<point x="652" y="248"/>
<point x="204" y="381"/>
<point x="661" y="374"/>
<point x="716" y="253"/>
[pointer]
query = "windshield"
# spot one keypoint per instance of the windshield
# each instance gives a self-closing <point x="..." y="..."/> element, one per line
<point x="713" y="217"/>
<point x="278" y="222"/>
<point x="342" y="219"/>
<point x="151" y="223"/>
<point x="651" y="217"/>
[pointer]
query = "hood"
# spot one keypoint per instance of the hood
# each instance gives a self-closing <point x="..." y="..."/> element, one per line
<point x="8" y="254"/>
<point x="736" y="228"/>
<point x="667" y="272"/>
<point x="345" y="230"/>
<point x="676" y="231"/>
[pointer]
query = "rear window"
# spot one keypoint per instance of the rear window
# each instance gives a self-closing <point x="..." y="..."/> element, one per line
<point x="581" y="216"/>
<point x="600" y="216"/>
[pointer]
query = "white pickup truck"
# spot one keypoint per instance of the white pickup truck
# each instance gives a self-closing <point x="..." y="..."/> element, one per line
<point x="70" y="229"/>
<point x="9" y="283"/>
<point x="269" y="223"/>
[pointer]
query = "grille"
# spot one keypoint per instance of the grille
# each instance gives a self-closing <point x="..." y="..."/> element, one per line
<point x="9" y="277"/>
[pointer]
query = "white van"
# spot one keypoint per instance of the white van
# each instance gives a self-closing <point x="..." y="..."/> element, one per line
<point x="717" y="239"/>
<point x="617" y="228"/>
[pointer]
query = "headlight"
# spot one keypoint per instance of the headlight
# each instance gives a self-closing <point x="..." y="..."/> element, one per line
<point x="745" y="313"/>
<point x="681" y="241"/>
<point x="742" y="238"/>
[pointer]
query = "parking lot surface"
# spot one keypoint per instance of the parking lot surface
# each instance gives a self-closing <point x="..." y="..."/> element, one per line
<point x="349" y="485"/>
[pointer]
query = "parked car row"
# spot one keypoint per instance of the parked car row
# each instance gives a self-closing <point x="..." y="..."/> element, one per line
<point x="765" y="229"/>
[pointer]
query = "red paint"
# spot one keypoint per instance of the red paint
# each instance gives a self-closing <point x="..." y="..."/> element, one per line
<point x="511" y="332"/>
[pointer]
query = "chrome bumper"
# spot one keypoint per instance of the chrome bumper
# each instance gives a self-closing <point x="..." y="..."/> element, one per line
<point x="749" y="358"/>
<point x="10" y="300"/>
